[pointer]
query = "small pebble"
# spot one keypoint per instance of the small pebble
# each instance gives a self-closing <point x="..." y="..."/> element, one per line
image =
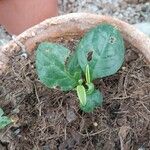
<point x="123" y="68"/>
<point x="95" y="124"/>
<point x="24" y="55"/>
<point x="17" y="131"/>
<point x="71" y="116"/>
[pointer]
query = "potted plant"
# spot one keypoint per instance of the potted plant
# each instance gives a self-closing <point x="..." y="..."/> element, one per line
<point x="17" y="60"/>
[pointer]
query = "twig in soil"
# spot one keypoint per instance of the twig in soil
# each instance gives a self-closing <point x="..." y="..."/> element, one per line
<point x="6" y="131"/>
<point x="141" y="114"/>
<point x="123" y="134"/>
<point x="39" y="103"/>
<point x="65" y="133"/>
<point x="122" y="112"/>
<point x="53" y="137"/>
<point x="121" y="98"/>
<point x="92" y="134"/>
<point x="145" y="117"/>
<point x="142" y="103"/>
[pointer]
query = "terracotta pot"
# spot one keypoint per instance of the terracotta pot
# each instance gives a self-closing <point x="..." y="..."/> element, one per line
<point x="19" y="15"/>
<point x="69" y="26"/>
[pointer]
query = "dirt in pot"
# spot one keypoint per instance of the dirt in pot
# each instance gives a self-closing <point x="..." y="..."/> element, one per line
<point x="50" y="119"/>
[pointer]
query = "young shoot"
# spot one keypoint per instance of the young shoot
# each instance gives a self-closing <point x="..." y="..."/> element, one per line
<point x="100" y="53"/>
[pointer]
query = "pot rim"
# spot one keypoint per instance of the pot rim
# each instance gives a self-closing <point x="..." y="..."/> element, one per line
<point x="71" y="25"/>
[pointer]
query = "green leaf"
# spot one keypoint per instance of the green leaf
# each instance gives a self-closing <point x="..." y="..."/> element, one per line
<point x="91" y="88"/>
<point x="81" y="94"/>
<point x="92" y="101"/>
<point x="4" y="121"/>
<point x="102" y="48"/>
<point x="51" y="60"/>
<point x="87" y="74"/>
<point x="73" y="66"/>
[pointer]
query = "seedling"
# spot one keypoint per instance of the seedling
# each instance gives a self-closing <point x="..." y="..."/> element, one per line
<point x="100" y="53"/>
<point x="4" y="120"/>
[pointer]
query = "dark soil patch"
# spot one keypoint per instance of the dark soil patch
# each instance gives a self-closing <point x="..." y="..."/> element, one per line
<point x="49" y="119"/>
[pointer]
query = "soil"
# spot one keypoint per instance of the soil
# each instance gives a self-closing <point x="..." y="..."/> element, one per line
<point x="49" y="119"/>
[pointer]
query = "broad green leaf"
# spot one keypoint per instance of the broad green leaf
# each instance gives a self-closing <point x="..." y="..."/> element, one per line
<point x="81" y="94"/>
<point x="4" y="121"/>
<point x="102" y="48"/>
<point x="73" y="66"/>
<point x="1" y="112"/>
<point x="51" y="60"/>
<point x="92" y="101"/>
